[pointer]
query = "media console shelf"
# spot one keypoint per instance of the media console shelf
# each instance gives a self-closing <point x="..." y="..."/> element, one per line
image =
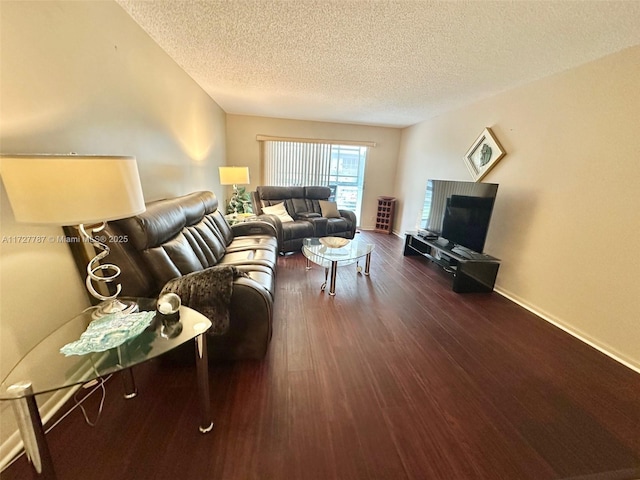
<point x="471" y="271"/>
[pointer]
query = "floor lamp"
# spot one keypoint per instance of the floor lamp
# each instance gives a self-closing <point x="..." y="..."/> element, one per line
<point x="78" y="190"/>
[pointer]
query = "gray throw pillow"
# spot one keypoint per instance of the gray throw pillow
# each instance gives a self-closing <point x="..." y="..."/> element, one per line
<point x="329" y="209"/>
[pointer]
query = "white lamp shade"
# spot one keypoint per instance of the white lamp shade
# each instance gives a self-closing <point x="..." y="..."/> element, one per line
<point x="234" y="175"/>
<point x="72" y="189"/>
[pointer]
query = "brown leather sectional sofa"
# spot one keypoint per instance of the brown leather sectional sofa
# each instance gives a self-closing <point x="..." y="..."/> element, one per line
<point x="178" y="236"/>
<point x="303" y="205"/>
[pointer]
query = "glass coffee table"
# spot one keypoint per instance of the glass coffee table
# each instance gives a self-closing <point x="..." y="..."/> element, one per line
<point x="45" y="369"/>
<point x="331" y="252"/>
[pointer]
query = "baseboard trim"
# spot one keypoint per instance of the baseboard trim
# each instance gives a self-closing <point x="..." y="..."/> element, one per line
<point x="563" y="326"/>
<point x="12" y="447"/>
<point x="570" y="330"/>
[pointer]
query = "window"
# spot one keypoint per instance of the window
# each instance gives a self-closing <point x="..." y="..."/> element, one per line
<point x="347" y="175"/>
<point x="338" y="166"/>
<point x="291" y="164"/>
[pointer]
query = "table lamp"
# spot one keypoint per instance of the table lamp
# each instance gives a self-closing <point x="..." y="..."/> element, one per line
<point x="234" y="176"/>
<point x="78" y="190"/>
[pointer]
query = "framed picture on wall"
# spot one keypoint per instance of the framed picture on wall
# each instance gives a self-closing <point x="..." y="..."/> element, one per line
<point x="485" y="152"/>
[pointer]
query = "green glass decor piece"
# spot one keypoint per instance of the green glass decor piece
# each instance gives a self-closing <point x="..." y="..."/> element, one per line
<point x="109" y="332"/>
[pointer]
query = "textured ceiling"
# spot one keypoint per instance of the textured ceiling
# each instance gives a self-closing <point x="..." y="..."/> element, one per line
<point x="391" y="63"/>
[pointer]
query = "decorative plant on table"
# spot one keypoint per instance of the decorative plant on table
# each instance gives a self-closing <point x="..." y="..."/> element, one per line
<point x="240" y="201"/>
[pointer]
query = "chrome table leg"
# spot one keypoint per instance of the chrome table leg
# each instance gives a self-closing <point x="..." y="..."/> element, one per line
<point x="332" y="285"/>
<point x="202" y="367"/>
<point x="32" y="431"/>
<point x="130" y="390"/>
<point x="367" y="264"/>
<point x="326" y="275"/>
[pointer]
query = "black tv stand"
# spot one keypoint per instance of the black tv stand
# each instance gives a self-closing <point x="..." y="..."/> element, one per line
<point x="471" y="271"/>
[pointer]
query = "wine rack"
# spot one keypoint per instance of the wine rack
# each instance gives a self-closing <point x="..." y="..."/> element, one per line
<point x="385" y="213"/>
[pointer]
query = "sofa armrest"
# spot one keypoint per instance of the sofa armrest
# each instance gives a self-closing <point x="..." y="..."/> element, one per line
<point x="320" y="225"/>
<point x="349" y="215"/>
<point x="257" y="227"/>
<point x="275" y="222"/>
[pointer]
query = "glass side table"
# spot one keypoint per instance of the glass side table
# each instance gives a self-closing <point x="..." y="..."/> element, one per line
<point x="44" y="369"/>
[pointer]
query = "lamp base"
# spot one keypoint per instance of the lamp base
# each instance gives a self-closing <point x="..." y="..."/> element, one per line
<point x="114" y="306"/>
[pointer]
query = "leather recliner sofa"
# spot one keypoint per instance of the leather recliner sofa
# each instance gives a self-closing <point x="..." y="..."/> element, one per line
<point x="179" y="236"/>
<point x="303" y="205"/>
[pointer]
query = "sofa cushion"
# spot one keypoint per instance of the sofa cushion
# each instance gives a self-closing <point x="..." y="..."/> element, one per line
<point x="280" y="211"/>
<point x="308" y="215"/>
<point x="205" y="242"/>
<point x="187" y="252"/>
<point x="249" y="257"/>
<point x="159" y="223"/>
<point x="270" y="193"/>
<point x="317" y="193"/>
<point x="264" y="242"/>
<point x="297" y="229"/>
<point x="329" y="209"/>
<point x="222" y="226"/>
<point x="300" y="206"/>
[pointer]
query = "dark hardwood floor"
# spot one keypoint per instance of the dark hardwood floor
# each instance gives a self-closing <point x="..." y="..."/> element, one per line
<point x="397" y="377"/>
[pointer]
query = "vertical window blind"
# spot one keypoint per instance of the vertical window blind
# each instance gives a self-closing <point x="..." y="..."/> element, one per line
<point x="296" y="163"/>
<point x="338" y="165"/>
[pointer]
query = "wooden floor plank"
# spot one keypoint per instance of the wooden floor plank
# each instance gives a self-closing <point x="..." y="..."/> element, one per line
<point x="395" y="377"/>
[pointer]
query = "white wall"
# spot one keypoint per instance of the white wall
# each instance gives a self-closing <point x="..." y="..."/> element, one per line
<point x="244" y="150"/>
<point x="83" y="77"/>
<point x="567" y="218"/>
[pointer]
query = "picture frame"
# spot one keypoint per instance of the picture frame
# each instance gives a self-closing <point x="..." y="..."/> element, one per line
<point x="483" y="155"/>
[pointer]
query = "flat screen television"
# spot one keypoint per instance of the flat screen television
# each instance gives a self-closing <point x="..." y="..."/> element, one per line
<point x="460" y="212"/>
